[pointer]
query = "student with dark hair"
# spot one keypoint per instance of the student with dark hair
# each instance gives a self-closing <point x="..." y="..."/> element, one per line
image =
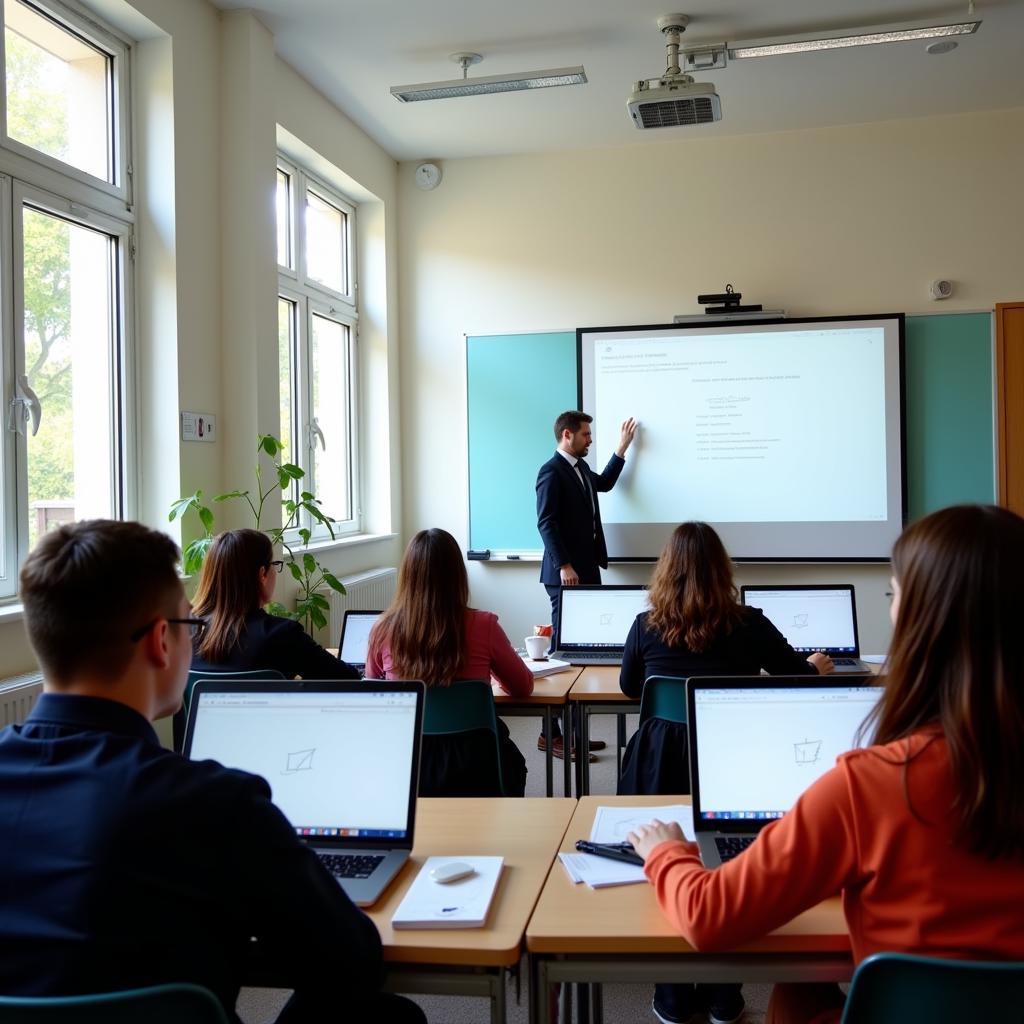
<point x="569" y="516"/>
<point x="923" y="831"/>
<point x="695" y="626"/>
<point x="123" y="864"/>
<point x="238" y="578"/>
<point x="430" y="633"/>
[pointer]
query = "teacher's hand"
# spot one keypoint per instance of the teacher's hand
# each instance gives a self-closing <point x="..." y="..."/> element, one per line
<point x="647" y="837"/>
<point x="626" y="435"/>
<point x="569" y="577"/>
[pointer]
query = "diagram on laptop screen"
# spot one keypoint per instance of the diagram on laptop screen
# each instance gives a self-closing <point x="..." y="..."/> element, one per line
<point x="299" y="761"/>
<point x="807" y="752"/>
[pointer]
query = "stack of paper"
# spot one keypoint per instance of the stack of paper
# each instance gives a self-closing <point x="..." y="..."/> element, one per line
<point x="547" y="667"/>
<point x="612" y="825"/>
<point x="460" y="904"/>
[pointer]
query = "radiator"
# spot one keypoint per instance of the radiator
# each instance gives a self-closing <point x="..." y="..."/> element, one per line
<point x="367" y="590"/>
<point x="17" y="695"/>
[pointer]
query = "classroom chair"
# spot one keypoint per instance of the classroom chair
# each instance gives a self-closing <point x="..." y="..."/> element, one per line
<point x="891" y="988"/>
<point x="664" y="697"/>
<point x="162" y="1004"/>
<point x="181" y="715"/>
<point x="462" y="707"/>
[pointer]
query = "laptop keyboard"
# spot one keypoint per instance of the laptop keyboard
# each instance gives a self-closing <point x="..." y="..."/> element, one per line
<point x="350" y="865"/>
<point x="844" y="661"/>
<point x="580" y="656"/>
<point x="731" y="846"/>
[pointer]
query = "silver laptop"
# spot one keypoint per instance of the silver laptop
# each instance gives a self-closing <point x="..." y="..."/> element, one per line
<point x="316" y="743"/>
<point x="593" y="622"/>
<point x="814" y="617"/>
<point x="756" y="743"/>
<point x="355" y="637"/>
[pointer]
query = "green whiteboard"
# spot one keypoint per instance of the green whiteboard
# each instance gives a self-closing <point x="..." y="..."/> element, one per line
<point x="517" y="384"/>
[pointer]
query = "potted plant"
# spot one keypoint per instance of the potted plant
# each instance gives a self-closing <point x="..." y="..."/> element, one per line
<point x="311" y="606"/>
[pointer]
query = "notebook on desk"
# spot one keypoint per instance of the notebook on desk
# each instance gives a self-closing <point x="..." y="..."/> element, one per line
<point x="355" y="637"/>
<point x="814" y="617"/>
<point x="593" y="622"/>
<point x="316" y="743"/>
<point x="756" y="743"/>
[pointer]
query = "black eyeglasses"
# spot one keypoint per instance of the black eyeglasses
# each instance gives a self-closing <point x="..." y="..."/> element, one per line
<point x="278" y="565"/>
<point x="196" y="628"/>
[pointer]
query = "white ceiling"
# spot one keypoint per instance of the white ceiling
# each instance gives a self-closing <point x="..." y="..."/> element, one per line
<point x="353" y="51"/>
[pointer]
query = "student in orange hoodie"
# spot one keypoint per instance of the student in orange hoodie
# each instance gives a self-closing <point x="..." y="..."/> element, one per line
<point x="922" y="832"/>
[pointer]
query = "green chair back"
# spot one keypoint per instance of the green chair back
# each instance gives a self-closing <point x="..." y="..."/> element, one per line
<point x="181" y="715"/>
<point x="664" y="697"/>
<point x="162" y="1004"/>
<point x="466" y="705"/>
<point x="892" y="988"/>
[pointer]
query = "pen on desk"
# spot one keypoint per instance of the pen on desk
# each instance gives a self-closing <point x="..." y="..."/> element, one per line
<point x="512" y="558"/>
<point x="613" y="851"/>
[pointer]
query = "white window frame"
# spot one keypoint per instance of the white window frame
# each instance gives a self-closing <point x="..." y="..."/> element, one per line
<point x="30" y="177"/>
<point x="314" y="298"/>
<point x="74" y="19"/>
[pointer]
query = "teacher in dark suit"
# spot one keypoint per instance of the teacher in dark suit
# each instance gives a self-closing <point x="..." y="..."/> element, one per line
<point x="569" y="514"/>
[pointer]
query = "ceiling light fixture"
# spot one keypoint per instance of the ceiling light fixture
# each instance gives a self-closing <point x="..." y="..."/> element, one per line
<point x="487" y="84"/>
<point x="872" y="37"/>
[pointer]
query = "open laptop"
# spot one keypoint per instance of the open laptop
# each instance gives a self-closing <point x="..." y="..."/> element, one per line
<point x="317" y="743"/>
<point x="593" y="622"/>
<point x="756" y="743"/>
<point x="814" y="617"/>
<point x="355" y="637"/>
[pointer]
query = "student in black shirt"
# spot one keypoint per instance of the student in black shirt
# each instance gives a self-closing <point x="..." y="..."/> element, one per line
<point x="122" y="864"/>
<point x="238" y="578"/>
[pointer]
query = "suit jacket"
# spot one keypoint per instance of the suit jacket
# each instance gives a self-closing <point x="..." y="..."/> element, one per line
<point x="570" y="529"/>
<point x="124" y="865"/>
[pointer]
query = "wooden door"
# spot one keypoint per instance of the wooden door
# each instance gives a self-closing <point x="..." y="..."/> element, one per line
<point x="1010" y="404"/>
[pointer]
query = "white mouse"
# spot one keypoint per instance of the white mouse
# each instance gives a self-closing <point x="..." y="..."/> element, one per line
<point x="451" y="872"/>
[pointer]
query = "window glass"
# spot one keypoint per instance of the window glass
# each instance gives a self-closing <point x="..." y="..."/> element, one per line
<point x="325" y="243"/>
<point x="284" y="221"/>
<point x="329" y="358"/>
<point x="286" y="319"/>
<point x="58" y="91"/>
<point x="69" y="327"/>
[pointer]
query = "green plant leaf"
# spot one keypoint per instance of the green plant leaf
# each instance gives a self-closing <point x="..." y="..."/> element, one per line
<point x="275" y="534"/>
<point x="231" y="494"/>
<point x="295" y="472"/>
<point x="307" y="496"/>
<point x="278" y="609"/>
<point x="295" y="571"/>
<point x="182" y="505"/>
<point x="318" y="617"/>
<point x="319" y="601"/>
<point x="305" y="535"/>
<point x="269" y="444"/>
<point x="206" y="518"/>
<point x="334" y="583"/>
<point x="309" y="562"/>
<point x="284" y="481"/>
<point x="194" y="553"/>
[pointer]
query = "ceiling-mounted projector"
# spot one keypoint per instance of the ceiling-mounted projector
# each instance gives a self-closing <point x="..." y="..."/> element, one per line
<point x="674" y="99"/>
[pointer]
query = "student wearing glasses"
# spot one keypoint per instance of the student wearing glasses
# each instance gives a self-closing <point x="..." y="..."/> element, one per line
<point x="238" y="578"/>
<point x="125" y="865"/>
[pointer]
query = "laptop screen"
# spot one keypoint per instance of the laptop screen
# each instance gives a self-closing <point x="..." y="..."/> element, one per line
<point x="317" y="751"/>
<point x="811" y="618"/>
<point x="355" y="636"/>
<point x="598" y="617"/>
<point x="788" y="737"/>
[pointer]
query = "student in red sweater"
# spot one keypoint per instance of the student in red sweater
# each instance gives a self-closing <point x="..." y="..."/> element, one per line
<point x="431" y="633"/>
<point x="923" y="832"/>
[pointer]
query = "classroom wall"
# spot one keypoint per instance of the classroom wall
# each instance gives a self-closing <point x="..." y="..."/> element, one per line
<point x="845" y="220"/>
<point x="212" y="101"/>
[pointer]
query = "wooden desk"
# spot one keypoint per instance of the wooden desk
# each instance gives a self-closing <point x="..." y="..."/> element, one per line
<point x="549" y="693"/>
<point x="597" y="692"/>
<point x="473" y="961"/>
<point x="579" y="934"/>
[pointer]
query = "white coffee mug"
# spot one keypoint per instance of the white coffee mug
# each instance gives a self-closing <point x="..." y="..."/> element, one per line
<point x="537" y="647"/>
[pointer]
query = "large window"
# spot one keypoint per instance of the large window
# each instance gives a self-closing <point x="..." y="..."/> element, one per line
<point x="317" y="332"/>
<point x="65" y="281"/>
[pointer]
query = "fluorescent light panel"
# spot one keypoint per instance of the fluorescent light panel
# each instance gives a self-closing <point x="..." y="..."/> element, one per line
<point x="894" y="35"/>
<point x="486" y="84"/>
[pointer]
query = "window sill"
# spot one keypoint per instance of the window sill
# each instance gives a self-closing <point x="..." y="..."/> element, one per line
<point x="351" y="541"/>
<point x="13" y="612"/>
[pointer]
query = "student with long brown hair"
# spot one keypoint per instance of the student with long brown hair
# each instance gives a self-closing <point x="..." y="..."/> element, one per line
<point x="923" y="831"/>
<point x="695" y="627"/>
<point x="430" y="633"/>
<point x="238" y="578"/>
